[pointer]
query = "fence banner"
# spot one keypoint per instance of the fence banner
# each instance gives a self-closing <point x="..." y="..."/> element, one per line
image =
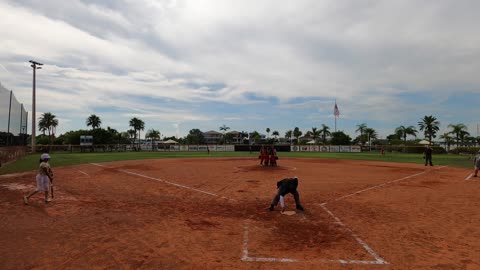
<point x="356" y="148"/>
<point x="345" y="148"/>
<point x="334" y="148"/>
<point x="314" y="148"/>
<point x="202" y="148"/>
<point x="193" y="148"/>
<point x="294" y="148"/>
<point x="230" y="148"/>
<point x="324" y="148"/>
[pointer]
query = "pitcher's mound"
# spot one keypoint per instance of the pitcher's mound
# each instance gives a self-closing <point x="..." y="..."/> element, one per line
<point x="289" y="213"/>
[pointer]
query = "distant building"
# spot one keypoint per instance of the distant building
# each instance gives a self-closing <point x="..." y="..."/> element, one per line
<point x="212" y="137"/>
<point x="236" y="137"/>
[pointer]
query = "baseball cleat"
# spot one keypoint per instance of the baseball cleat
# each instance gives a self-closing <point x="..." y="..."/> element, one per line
<point x="299" y="207"/>
<point x="25" y="200"/>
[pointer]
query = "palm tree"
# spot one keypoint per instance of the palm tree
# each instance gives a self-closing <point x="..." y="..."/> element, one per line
<point x="153" y="135"/>
<point x="430" y="126"/>
<point x="275" y="134"/>
<point x="288" y="134"/>
<point x="224" y="128"/>
<point x="137" y="125"/>
<point x="268" y="132"/>
<point x="324" y="133"/>
<point x="315" y="133"/>
<point x="448" y="140"/>
<point x="371" y="134"/>
<point x="297" y="133"/>
<point x="48" y="122"/>
<point x="132" y="134"/>
<point x="464" y="136"/>
<point x="93" y="121"/>
<point x="361" y="128"/>
<point x="403" y="131"/>
<point x="457" y="130"/>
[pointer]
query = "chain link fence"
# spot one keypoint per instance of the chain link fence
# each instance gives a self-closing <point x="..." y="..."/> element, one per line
<point x="13" y="119"/>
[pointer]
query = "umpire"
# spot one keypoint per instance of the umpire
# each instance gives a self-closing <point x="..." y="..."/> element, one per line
<point x="285" y="186"/>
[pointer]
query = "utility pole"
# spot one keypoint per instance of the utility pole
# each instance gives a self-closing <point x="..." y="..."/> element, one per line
<point x="35" y="66"/>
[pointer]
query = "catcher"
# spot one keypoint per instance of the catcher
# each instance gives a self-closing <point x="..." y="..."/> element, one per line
<point x="285" y="186"/>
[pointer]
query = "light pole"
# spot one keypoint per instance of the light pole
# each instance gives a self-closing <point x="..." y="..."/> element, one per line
<point x="35" y="66"/>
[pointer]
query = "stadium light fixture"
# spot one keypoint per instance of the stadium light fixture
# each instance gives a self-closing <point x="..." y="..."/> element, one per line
<point x="35" y="66"/>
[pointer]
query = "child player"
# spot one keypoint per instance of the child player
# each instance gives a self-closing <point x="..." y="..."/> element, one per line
<point x="44" y="178"/>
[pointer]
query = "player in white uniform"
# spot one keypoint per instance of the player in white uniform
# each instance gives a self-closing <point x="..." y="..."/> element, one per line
<point x="44" y="179"/>
<point x="476" y="164"/>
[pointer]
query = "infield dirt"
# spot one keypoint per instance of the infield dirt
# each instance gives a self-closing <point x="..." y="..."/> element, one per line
<point x="209" y="213"/>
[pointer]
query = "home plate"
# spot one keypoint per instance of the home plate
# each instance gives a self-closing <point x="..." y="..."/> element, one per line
<point x="289" y="213"/>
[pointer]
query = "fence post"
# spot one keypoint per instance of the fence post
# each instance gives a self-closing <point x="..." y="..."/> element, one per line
<point x="9" y="111"/>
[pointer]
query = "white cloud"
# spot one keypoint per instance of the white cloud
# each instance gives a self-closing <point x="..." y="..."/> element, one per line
<point x="367" y="54"/>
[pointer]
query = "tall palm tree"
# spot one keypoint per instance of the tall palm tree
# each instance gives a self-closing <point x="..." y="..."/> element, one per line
<point x="224" y="128"/>
<point x="430" y="126"/>
<point x="457" y="129"/>
<point x="48" y="122"/>
<point x="268" y="132"/>
<point x="324" y="133"/>
<point x="93" y="121"/>
<point x="315" y="133"/>
<point x="361" y="128"/>
<point x="403" y="132"/>
<point x="137" y="125"/>
<point x="297" y="133"/>
<point x="447" y="140"/>
<point x="275" y="134"/>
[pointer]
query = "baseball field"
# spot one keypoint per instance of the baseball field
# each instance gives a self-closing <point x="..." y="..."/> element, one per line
<point x="211" y="213"/>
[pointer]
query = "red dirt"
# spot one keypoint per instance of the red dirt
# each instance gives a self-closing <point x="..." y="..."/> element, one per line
<point x="111" y="219"/>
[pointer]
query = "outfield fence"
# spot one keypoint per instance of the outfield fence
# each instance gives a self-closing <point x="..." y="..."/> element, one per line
<point x="11" y="153"/>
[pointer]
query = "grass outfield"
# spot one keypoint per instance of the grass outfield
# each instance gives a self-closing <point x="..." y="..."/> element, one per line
<point x="30" y="162"/>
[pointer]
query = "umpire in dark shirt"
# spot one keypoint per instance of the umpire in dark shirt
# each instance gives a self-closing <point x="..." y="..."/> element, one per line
<point x="427" y="154"/>
<point x="285" y="186"/>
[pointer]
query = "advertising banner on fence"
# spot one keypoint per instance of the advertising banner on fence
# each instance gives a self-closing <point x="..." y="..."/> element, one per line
<point x="334" y="148"/>
<point x="177" y="148"/>
<point x="193" y="148"/>
<point x="324" y="148"/>
<point x="345" y="148"/>
<point x="356" y="148"/>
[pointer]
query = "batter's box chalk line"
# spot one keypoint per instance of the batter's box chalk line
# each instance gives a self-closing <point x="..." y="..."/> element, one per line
<point x="247" y="258"/>
<point x="169" y="183"/>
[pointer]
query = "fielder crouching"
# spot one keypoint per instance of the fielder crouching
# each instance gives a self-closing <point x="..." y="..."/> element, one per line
<point x="285" y="186"/>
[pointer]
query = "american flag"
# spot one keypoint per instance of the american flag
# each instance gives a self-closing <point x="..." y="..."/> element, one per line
<point x="336" y="112"/>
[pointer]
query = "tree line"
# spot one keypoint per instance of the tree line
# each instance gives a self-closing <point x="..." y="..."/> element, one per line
<point x="429" y="125"/>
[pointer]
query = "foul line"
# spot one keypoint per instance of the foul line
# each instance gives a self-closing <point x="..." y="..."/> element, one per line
<point x="383" y="184"/>
<point x="84" y="173"/>
<point x="468" y="177"/>
<point x="170" y="183"/>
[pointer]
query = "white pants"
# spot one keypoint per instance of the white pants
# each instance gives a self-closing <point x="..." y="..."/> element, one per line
<point x="43" y="183"/>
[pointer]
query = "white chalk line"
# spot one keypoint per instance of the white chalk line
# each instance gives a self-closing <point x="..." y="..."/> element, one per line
<point x="247" y="258"/>
<point x="468" y="177"/>
<point x="84" y="173"/>
<point x="383" y="184"/>
<point x="378" y="259"/>
<point x="171" y="183"/>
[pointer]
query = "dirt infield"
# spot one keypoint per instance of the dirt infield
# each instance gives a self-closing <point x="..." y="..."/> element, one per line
<point x="211" y="214"/>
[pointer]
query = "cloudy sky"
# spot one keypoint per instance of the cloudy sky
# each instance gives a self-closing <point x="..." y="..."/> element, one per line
<point x="250" y="65"/>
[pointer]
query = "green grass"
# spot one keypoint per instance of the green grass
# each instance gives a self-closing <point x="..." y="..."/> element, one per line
<point x="30" y="162"/>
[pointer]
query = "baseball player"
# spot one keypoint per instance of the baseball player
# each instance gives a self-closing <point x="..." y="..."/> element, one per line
<point x="44" y="179"/>
<point x="427" y="155"/>
<point x="285" y="186"/>
<point x="476" y="163"/>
